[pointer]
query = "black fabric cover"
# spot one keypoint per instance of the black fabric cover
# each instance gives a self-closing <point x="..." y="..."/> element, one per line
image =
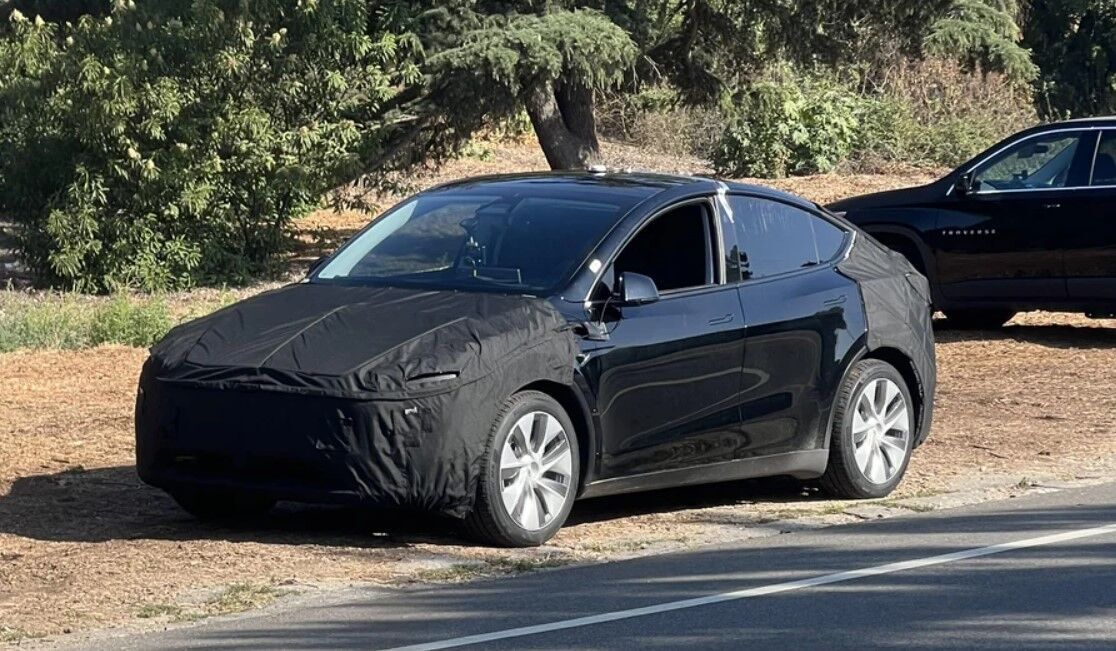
<point x="896" y="301"/>
<point x="376" y="395"/>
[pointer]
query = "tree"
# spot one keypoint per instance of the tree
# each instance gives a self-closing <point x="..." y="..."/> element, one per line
<point x="984" y="34"/>
<point x="1074" y="42"/>
<point x="174" y="142"/>
<point x="551" y="64"/>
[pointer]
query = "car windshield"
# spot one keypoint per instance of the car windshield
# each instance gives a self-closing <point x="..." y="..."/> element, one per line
<point x="496" y="242"/>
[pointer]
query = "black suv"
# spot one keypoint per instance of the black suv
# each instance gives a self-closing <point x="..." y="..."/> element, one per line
<point x="1028" y="224"/>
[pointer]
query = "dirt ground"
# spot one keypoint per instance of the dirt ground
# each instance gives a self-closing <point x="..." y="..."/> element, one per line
<point x="84" y="545"/>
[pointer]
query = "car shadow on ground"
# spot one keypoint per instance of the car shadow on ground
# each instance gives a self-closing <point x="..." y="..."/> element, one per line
<point x="1079" y="337"/>
<point x="103" y="504"/>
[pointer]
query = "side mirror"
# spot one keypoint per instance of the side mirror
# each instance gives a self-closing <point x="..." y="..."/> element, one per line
<point x="964" y="184"/>
<point x="636" y="289"/>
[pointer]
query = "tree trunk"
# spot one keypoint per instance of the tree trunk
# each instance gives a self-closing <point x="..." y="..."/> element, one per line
<point x="564" y="123"/>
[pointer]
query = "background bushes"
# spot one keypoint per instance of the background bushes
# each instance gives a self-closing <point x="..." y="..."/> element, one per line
<point x="173" y="143"/>
<point x="928" y="113"/>
<point x="72" y="322"/>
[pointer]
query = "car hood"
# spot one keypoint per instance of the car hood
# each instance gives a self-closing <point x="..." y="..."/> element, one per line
<point x="890" y="199"/>
<point x="356" y="341"/>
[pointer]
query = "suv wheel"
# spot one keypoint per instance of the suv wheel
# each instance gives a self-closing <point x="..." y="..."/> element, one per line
<point x="530" y="474"/>
<point x="978" y="319"/>
<point x="873" y="433"/>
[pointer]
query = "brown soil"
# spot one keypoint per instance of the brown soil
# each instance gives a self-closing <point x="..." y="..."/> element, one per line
<point x="84" y="545"/>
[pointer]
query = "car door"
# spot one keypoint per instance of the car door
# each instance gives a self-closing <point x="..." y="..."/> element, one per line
<point x="1090" y="225"/>
<point x="1004" y="239"/>
<point x="667" y="379"/>
<point x="800" y="317"/>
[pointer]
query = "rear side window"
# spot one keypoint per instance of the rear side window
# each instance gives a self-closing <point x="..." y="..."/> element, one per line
<point x="774" y="238"/>
<point x="829" y="239"/>
<point x="1104" y="166"/>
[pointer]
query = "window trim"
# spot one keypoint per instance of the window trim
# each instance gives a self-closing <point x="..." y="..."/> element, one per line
<point x="1093" y="165"/>
<point x="842" y="252"/>
<point x="1069" y="188"/>
<point x="717" y="244"/>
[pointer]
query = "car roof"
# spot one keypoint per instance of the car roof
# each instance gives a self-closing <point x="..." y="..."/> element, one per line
<point x="630" y="187"/>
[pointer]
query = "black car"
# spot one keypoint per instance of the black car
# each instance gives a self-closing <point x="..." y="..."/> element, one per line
<point x="1028" y="224"/>
<point x="495" y="348"/>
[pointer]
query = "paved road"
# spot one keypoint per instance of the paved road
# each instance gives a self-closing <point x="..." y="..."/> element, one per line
<point x="1032" y="573"/>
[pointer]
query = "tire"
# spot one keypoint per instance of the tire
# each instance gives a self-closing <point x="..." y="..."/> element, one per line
<point x="520" y="453"/>
<point x="978" y="319"/>
<point x="887" y="449"/>
<point x="221" y="505"/>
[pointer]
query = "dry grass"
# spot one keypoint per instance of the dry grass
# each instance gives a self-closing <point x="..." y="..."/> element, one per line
<point x="83" y="544"/>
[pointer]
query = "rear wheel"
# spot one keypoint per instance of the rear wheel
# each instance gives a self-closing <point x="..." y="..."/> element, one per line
<point x="530" y="474"/>
<point x="978" y="319"/>
<point x="221" y="505"/>
<point x="873" y="433"/>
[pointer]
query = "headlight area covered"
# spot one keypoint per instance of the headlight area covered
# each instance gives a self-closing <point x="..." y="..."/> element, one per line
<point x="897" y="307"/>
<point x="381" y="396"/>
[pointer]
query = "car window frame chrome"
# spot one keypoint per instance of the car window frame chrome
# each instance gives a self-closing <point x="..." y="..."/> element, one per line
<point x="1072" y="188"/>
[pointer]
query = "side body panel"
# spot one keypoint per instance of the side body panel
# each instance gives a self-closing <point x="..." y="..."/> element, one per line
<point x="800" y="333"/>
<point x="667" y="383"/>
<point x="1090" y="246"/>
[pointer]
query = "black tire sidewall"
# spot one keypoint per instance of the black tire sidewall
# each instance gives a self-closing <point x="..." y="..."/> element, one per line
<point x="520" y="405"/>
<point x="871" y="370"/>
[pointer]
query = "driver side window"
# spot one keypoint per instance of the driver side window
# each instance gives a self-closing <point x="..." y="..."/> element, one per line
<point x="1035" y="163"/>
<point x="674" y="250"/>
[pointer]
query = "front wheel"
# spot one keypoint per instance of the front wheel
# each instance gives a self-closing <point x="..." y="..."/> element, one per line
<point x="873" y="433"/>
<point x="530" y="474"/>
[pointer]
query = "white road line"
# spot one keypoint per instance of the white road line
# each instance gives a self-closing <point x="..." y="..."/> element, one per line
<point x="774" y="588"/>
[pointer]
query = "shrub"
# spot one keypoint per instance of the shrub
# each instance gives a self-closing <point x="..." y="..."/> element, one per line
<point x="928" y="113"/>
<point x="71" y="322"/>
<point x="173" y="142"/>
<point x="657" y="119"/>
<point x="789" y="125"/>
<point x="935" y="113"/>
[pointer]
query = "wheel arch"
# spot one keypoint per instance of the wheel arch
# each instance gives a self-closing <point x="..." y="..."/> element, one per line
<point x="902" y="363"/>
<point x="578" y="410"/>
<point x="909" y="243"/>
<point x="906" y="368"/>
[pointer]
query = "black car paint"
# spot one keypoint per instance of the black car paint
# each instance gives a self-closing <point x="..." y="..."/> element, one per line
<point x="1018" y="249"/>
<point x="666" y="403"/>
<point x="722" y="382"/>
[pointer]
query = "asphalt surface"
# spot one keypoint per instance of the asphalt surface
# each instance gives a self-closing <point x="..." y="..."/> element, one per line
<point x="1032" y="573"/>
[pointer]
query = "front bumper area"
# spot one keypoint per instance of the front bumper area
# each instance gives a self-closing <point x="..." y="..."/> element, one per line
<point x="305" y="448"/>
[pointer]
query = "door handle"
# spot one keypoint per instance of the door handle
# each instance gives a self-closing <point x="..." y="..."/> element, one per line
<point x="721" y="320"/>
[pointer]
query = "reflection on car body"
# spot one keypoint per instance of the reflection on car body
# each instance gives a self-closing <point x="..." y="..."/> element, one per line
<point x="494" y="349"/>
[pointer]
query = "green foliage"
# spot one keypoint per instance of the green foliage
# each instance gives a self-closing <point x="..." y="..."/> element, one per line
<point x="1074" y="45"/>
<point x="930" y="113"/>
<point x="983" y="33"/>
<point x="73" y="322"/>
<point x="489" y="72"/>
<point x="789" y="125"/>
<point x="173" y="142"/>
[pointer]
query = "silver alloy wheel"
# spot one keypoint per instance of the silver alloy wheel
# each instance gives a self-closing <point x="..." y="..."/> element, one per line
<point x="881" y="430"/>
<point x="536" y="470"/>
